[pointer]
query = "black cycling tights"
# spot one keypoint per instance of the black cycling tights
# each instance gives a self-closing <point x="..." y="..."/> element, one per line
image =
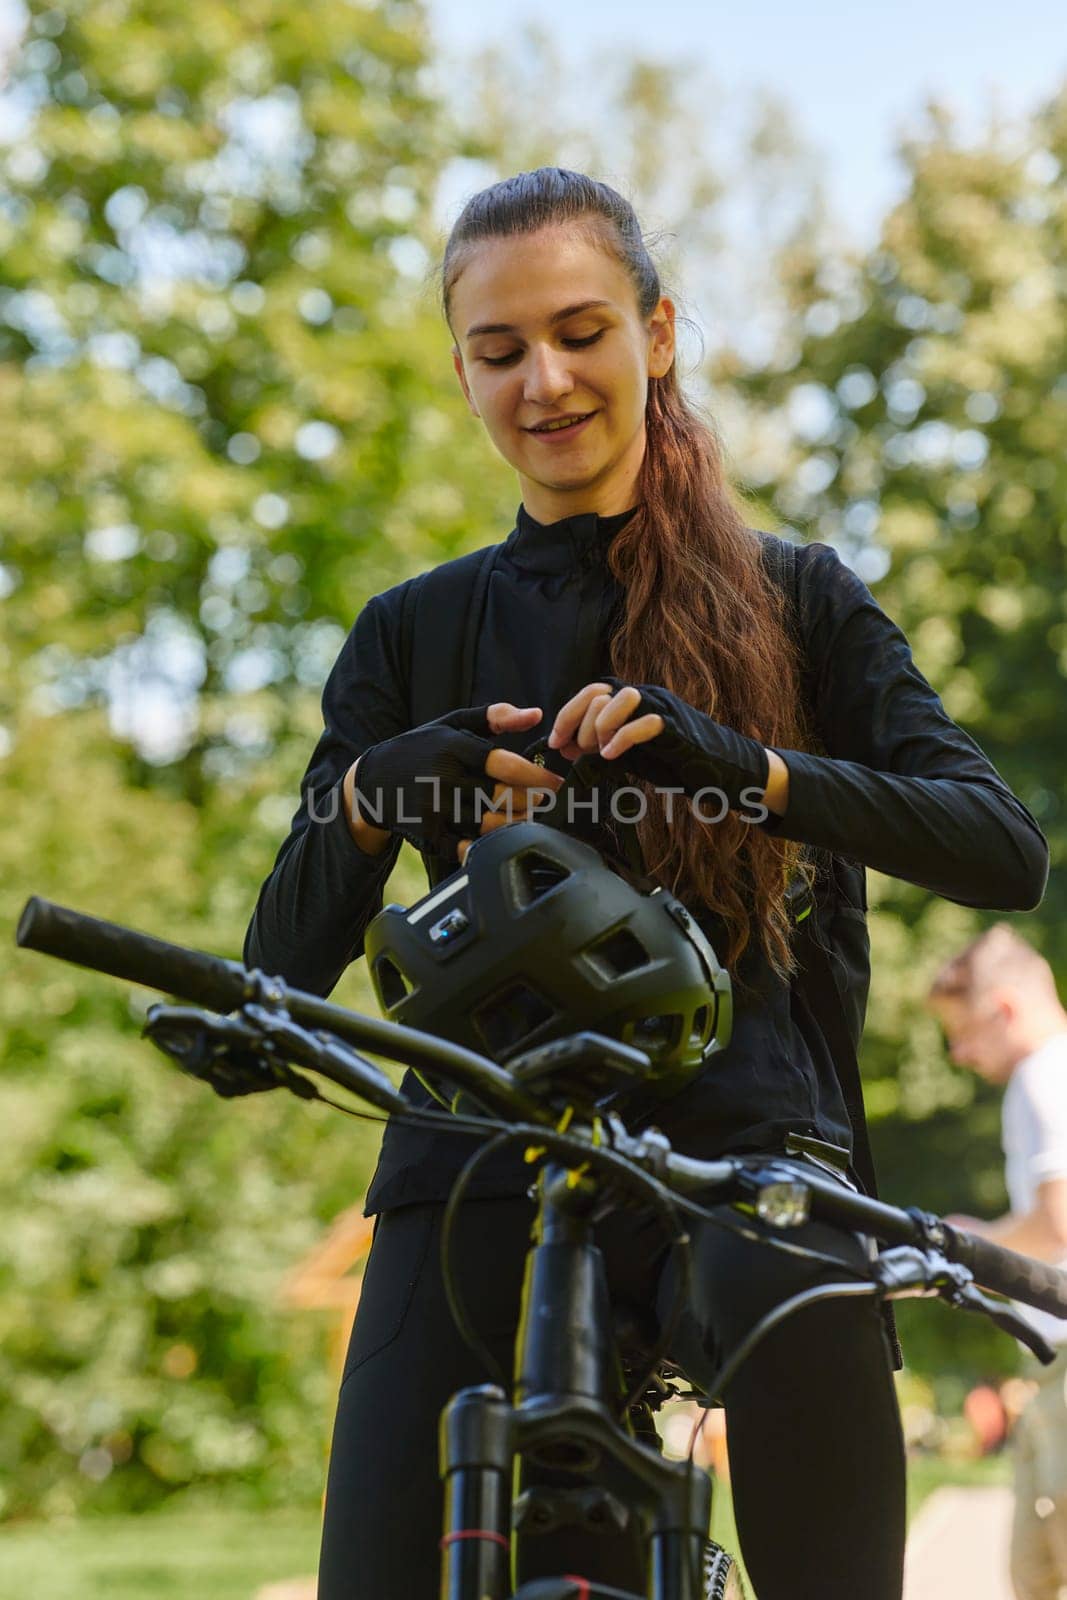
<point x="816" y="1456"/>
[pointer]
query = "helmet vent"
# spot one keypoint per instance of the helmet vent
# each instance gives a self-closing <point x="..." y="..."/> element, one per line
<point x="391" y="982"/>
<point x="617" y="954"/>
<point x="508" y="1020"/>
<point x="534" y="875"/>
<point x="658" y="1034"/>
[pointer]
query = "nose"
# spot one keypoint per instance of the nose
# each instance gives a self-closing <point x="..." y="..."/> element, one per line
<point x="547" y="378"/>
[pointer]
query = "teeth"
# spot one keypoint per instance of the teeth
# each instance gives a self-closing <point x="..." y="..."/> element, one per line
<point x="554" y="427"/>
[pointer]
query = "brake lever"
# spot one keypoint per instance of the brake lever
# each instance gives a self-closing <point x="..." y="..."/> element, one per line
<point x="321" y="1051"/>
<point x="925" y="1272"/>
<point x="227" y="1052"/>
<point x="929" y="1272"/>
<point x="1005" y="1316"/>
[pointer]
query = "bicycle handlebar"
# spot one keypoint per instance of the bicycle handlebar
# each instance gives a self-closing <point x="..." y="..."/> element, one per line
<point x="1035" y="1283"/>
<point x="222" y="985"/>
<point x="138" y="957"/>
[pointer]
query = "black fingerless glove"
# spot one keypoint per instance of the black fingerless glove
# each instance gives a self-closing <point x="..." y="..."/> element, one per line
<point x="695" y="752"/>
<point x="422" y="784"/>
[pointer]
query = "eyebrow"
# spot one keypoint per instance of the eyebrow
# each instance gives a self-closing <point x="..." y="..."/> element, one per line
<point x="557" y="316"/>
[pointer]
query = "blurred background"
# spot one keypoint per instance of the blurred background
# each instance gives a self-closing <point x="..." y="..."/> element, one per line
<point x="228" y="415"/>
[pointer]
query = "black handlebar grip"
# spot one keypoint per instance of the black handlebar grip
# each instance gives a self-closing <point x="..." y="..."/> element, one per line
<point x="108" y="947"/>
<point x="1035" y="1283"/>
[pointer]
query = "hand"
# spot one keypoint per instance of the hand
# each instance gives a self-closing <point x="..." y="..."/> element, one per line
<point x="521" y="783"/>
<point x="670" y="745"/>
<point x="521" y="786"/>
<point x="974" y="1225"/>
<point x="598" y="718"/>
<point x="426" y="784"/>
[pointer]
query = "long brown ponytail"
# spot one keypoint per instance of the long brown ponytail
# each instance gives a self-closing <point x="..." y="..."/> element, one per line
<point x="700" y="617"/>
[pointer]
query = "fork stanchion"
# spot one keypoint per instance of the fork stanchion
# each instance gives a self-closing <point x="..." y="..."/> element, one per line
<point x="677" y="1554"/>
<point x="678" y="1544"/>
<point x="476" y="1455"/>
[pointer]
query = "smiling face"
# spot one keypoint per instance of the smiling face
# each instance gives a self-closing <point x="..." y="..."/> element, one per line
<point x="554" y="357"/>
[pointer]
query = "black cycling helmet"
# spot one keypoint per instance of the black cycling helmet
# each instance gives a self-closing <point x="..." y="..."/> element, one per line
<point x="535" y="938"/>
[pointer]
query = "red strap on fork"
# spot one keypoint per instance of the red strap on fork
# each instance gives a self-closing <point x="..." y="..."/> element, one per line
<point x="584" y="1590"/>
<point x="484" y="1533"/>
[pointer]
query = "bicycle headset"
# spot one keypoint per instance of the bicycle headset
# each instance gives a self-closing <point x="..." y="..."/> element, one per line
<point x="535" y="938"/>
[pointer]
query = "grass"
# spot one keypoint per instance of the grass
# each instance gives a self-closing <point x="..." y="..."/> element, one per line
<point x="214" y="1555"/>
<point x="228" y="1555"/>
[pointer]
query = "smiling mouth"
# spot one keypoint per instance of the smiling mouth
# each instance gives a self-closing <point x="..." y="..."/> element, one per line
<point x="561" y="424"/>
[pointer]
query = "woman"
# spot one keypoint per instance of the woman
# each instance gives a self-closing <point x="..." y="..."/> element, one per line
<point x="632" y="612"/>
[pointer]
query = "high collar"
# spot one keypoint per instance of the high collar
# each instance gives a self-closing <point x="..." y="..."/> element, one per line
<point x="573" y="542"/>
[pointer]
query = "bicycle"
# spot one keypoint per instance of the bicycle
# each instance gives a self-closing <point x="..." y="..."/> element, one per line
<point x="572" y="1406"/>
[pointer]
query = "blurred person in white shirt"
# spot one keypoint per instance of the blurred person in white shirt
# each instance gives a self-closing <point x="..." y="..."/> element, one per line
<point x="1002" y="1018"/>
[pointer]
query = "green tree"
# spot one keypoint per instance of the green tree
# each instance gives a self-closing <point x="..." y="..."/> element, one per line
<point x="222" y="430"/>
<point x="915" y="416"/>
<point x="230" y="409"/>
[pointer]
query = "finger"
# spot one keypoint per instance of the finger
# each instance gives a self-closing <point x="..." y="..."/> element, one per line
<point x="508" y="801"/>
<point x="520" y="802"/>
<point x="515" y="769"/>
<point x="461" y="850"/>
<point x="503" y="717"/>
<point x="639" y="731"/>
<point x="500" y="717"/>
<point x="569" y="717"/>
<point x="532" y="803"/>
<point x="501" y="819"/>
<point x="619" y="709"/>
<point x="586" y="737"/>
<point x="571" y="750"/>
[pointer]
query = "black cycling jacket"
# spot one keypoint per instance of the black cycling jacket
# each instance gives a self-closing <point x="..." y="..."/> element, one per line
<point x="900" y="788"/>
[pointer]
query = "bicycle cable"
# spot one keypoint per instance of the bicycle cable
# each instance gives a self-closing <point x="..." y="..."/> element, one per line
<point x="453" y="1296"/>
<point x="808" y="1297"/>
<point x="680" y="1249"/>
<point x="666" y="1203"/>
<point x="663" y="1199"/>
<point x="456" y="1123"/>
<point x="729" y="1370"/>
<point x="679" y="1241"/>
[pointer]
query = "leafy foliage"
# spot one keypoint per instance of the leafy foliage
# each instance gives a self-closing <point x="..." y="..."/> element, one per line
<point x="915" y="416"/>
<point x="221" y="432"/>
<point x="148" y="1225"/>
<point x="226" y="430"/>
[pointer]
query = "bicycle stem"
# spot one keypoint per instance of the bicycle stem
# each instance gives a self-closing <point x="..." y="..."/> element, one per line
<point x="562" y="1419"/>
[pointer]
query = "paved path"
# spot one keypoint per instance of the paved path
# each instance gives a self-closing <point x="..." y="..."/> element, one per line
<point x="958" y="1549"/>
